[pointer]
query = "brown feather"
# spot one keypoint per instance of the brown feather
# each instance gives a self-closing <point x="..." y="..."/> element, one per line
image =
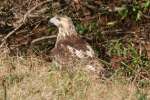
<point x="70" y="50"/>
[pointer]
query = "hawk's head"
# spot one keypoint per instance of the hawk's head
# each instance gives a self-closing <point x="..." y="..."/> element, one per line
<point x="64" y="24"/>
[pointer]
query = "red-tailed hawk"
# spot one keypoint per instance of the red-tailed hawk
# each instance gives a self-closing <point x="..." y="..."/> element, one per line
<point x="70" y="50"/>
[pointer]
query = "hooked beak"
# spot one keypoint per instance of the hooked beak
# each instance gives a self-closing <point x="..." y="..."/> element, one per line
<point x="50" y="24"/>
<point x="53" y="22"/>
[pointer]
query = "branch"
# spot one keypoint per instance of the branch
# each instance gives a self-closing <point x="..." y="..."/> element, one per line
<point x="32" y="9"/>
<point x="146" y="16"/>
<point x="22" y="21"/>
<point x="43" y="38"/>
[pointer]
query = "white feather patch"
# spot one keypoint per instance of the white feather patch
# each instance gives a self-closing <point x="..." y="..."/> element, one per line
<point x="90" y="67"/>
<point x="80" y="53"/>
<point x="90" y="51"/>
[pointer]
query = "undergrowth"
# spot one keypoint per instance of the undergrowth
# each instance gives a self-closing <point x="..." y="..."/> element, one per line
<point x="115" y="29"/>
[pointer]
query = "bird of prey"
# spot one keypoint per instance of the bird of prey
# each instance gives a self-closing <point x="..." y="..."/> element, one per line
<point x="70" y="50"/>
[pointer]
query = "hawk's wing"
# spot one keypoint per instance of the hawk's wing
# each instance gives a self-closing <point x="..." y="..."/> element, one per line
<point x="77" y="47"/>
<point x="87" y="52"/>
<point x="70" y="52"/>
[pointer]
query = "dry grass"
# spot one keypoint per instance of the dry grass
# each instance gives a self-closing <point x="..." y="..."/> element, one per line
<point x="31" y="78"/>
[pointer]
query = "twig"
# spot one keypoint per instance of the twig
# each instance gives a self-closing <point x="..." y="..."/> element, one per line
<point x="43" y="38"/>
<point x="32" y="9"/>
<point x="22" y="21"/>
<point x="5" y="89"/>
<point x="9" y="34"/>
<point x="89" y="6"/>
<point x="116" y="31"/>
<point x="146" y="16"/>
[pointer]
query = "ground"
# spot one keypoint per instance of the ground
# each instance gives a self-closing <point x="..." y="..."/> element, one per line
<point x="34" y="79"/>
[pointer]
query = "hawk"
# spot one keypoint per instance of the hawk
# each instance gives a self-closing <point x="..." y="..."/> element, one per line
<point x="70" y="50"/>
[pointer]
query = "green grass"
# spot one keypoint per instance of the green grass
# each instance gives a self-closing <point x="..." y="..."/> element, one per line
<point x="133" y="63"/>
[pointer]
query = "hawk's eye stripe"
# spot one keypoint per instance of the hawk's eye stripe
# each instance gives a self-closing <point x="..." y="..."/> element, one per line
<point x="58" y="18"/>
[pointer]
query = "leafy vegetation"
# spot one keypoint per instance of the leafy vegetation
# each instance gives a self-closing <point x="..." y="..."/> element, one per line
<point x="117" y="30"/>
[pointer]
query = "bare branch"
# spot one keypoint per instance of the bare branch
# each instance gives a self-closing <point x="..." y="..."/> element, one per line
<point x="22" y="21"/>
<point x="43" y="38"/>
<point x="146" y="16"/>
